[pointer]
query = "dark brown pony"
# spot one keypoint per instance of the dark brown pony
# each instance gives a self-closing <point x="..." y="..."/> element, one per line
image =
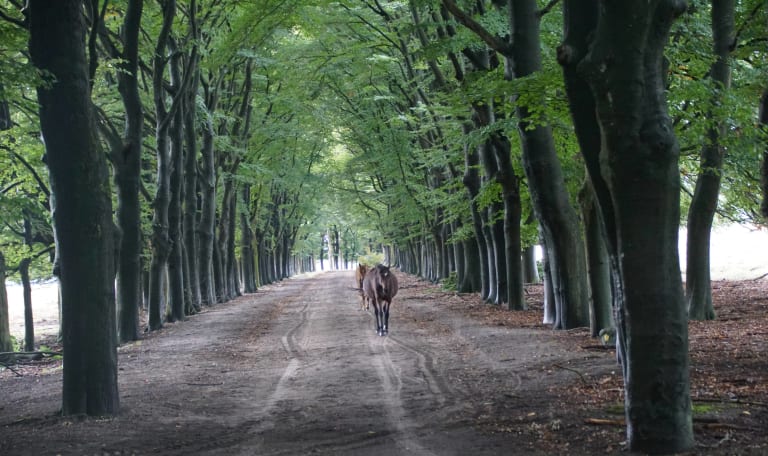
<point x="360" y="275"/>
<point x="379" y="287"/>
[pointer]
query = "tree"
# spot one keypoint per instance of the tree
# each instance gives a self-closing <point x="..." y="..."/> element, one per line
<point x="126" y="161"/>
<point x="161" y="240"/>
<point x="598" y="263"/>
<point x="698" y="289"/>
<point x="764" y="163"/>
<point x="558" y="219"/>
<point x="6" y="343"/>
<point x="82" y="208"/>
<point x="613" y="64"/>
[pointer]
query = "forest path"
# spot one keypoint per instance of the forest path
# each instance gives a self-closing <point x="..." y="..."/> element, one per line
<point x="297" y="368"/>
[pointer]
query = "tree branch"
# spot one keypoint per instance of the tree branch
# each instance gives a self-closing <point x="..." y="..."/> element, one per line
<point x="494" y="42"/>
<point x="17" y="22"/>
<point x="35" y="175"/>
<point x="548" y="7"/>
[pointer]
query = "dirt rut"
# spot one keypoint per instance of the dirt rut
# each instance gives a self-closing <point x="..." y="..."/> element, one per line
<point x="297" y="368"/>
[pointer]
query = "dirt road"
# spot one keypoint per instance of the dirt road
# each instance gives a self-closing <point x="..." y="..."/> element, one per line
<point x="297" y="368"/>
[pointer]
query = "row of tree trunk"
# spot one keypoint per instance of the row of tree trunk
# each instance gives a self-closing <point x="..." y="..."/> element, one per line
<point x="195" y="210"/>
<point x="491" y="261"/>
<point x="626" y="259"/>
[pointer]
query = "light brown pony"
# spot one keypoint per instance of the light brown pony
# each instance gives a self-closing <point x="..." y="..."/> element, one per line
<point x="379" y="287"/>
<point x="360" y="275"/>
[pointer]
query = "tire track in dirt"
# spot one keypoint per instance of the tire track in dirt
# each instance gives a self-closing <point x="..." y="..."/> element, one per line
<point x="309" y="343"/>
<point x="390" y="376"/>
<point x="230" y="431"/>
<point x="426" y="367"/>
<point x="296" y="369"/>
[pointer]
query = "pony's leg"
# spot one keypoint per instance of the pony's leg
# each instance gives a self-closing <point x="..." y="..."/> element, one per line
<point x="385" y="318"/>
<point x="378" y="311"/>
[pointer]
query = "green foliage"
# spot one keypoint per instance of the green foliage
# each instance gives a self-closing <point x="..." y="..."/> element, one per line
<point x="371" y="259"/>
<point x="16" y="344"/>
<point x="450" y="283"/>
<point x="698" y="105"/>
<point x="350" y="126"/>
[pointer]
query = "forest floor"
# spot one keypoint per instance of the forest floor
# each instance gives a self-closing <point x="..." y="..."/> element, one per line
<point x="298" y="369"/>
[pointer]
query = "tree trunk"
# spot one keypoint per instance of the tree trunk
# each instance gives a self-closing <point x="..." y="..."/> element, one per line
<point x="550" y="311"/>
<point x="530" y="269"/>
<point x="176" y="285"/>
<point x="222" y="241"/>
<point x="336" y="247"/>
<point x="471" y="182"/>
<point x="127" y="166"/>
<point x="493" y="226"/>
<point x="233" y="282"/>
<point x="513" y="210"/>
<point x="638" y="164"/>
<point x="190" y="217"/>
<point x="208" y="214"/>
<point x="764" y="164"/>
<point x="698" y="287"/>
<point x="82" y="215"/>
<point x="218" y="274"/>
<point x="246" y="246"/>
<point x="29" y="321"/>
<point x="472" y="281"/>
<point x="551" y="203"/>
<point x="598" y="263"/>
<point x="161" y="243"/>
<point x="6" y="343"/>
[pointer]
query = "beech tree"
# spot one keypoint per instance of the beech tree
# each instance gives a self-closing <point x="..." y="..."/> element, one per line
<point x="764" y="162"/>
<point x="126" y="162"/>
<point x="160" y="241"/>
<point x="698" y="289"/>
<point x="6" y="343"/>
<point x="614" y="68"/>
<point x="559" y="221"/>
<point x="82" y="208"/>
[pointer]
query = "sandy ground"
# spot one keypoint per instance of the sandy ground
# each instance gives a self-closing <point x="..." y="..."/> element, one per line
<point x="298" y="369"/>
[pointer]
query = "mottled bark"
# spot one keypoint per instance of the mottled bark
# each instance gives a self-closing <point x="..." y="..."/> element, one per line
<point x="617" y="50"/>
<point x="246" y="245"/>
<point x="160" y="241"/>
<point x="222" y="241"/>
<point x="176" y="285"/>
<point x="190" y="214"/>
<point x="82" y="216"/>
<point x="598" y="263"/>
<point x="206" y="226"/>
<point x="127" y="169"/>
